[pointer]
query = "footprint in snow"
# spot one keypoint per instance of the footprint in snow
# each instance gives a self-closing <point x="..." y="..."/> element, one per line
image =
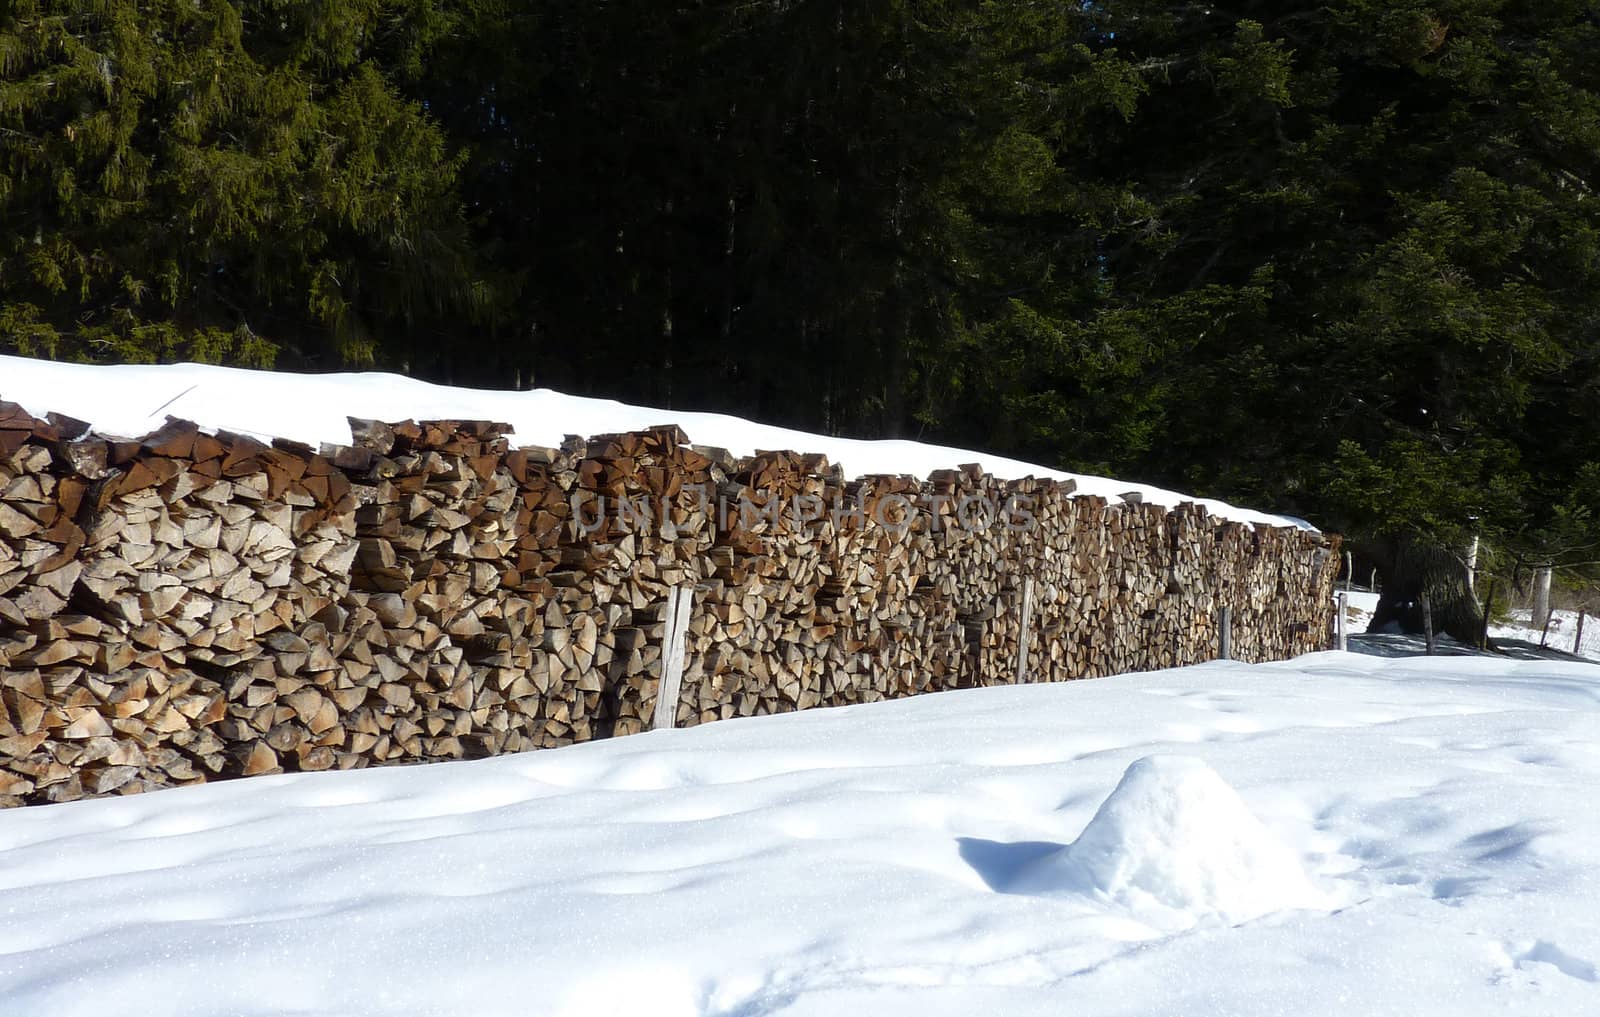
<point x="1546" y="952"/>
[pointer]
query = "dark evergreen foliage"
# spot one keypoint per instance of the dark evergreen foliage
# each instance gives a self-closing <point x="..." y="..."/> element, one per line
<point x="1340" y="259"/>
<point x="222" y="181"/>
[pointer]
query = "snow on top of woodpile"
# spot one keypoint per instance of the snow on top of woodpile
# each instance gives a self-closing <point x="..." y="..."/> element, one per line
<point x="133" y="400"/>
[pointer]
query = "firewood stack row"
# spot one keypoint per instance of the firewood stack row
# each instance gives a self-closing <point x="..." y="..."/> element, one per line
<point x="176" y="628"/>
<point x="190" y="606"/>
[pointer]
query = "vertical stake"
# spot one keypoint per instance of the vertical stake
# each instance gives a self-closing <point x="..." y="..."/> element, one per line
<point x="1024" y="634"/>
<point x="1577" y="641"/>
<point x="1225" y="635"/>
<point x="1427" y="622"/>
<point x="1341" y="625"/>
<point x="675" y="630"/>
<point x="1488" y="609"/>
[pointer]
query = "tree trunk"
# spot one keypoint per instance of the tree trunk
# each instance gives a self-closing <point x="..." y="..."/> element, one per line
<point x="1472" y="564"/>
<point x="1541" y="596"/>
<point x="1411" y="567"/>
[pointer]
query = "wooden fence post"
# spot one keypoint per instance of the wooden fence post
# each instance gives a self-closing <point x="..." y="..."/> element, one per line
<point x="1577" y="640"/>
<point x="1024" y="635"/>
<point x="1427" y="622"/>
<point x="1225" y="635"/>
<point x="1341" y="625"/>
<point x="675" y="631"/>
<point x="1488" y="609"/>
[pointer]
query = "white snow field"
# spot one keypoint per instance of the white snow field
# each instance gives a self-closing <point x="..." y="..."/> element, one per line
<point x="1340" y="835"/>
<point x="1563" y="634"/>
<point x="313" y="408"/>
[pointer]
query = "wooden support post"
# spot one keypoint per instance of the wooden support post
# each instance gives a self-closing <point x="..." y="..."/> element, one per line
<point x="1577" y="640"/>
<point x="1225" y="635"/>
<point x="1349" y="570"/>
<point x="1342" y="622"/>
<point x="675" y="630"/>
<point x="1427" y="623"/>
<point x="1488" y="610"/>
<point x="1025" y="633"/>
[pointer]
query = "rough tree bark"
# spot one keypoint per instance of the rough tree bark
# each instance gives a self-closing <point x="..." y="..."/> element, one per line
<point x="1541" y="596"/>
<point x="1411" y="566"/>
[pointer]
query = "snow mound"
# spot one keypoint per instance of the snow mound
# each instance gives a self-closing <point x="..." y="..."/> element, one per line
<point x="1175" y="844"/>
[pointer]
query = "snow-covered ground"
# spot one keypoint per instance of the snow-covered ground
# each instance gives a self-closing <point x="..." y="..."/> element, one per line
<point x="313" y="408"/>
<point x="1339" y="835"/>
<point x="1563" y="634"/>
<point x="1359" y="606"/>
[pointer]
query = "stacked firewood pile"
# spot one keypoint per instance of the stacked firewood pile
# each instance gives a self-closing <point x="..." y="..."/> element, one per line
<point x="189" y="606"/>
